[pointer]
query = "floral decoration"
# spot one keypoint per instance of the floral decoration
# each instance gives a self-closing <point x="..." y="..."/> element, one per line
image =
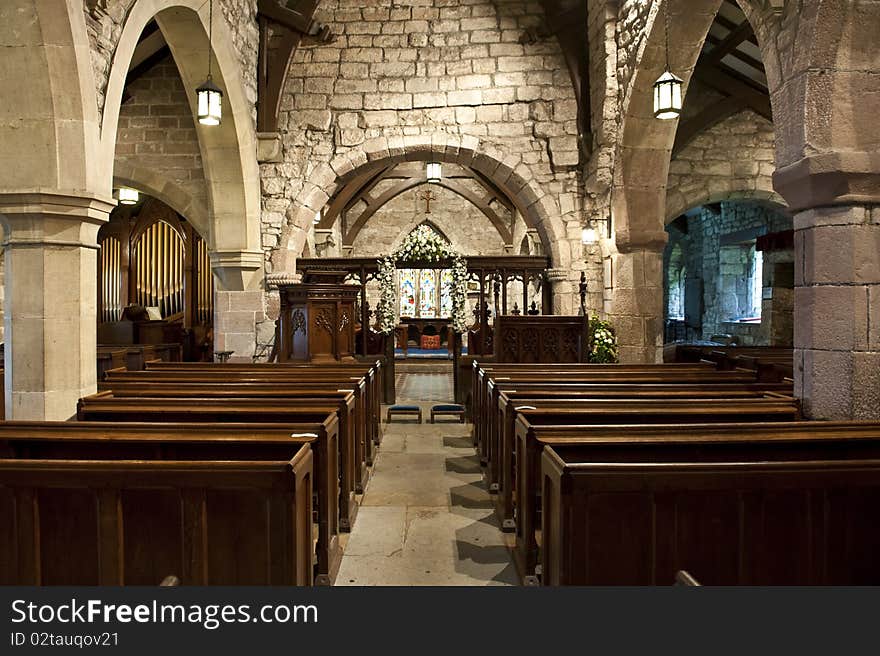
<point x="422" y="245"/>
<point x="603" y="341"/>
<point x="386" y="308"/>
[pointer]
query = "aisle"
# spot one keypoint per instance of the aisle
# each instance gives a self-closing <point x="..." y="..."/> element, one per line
<point x="426" y="517"/>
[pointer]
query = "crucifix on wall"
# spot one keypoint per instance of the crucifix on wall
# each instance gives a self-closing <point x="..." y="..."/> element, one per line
<point x="427" y="196"/>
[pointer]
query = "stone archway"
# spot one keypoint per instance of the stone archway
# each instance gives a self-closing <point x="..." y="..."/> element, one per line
<point x="228" y="150"/>
<point x="732" y="192"/>
<point x="506" y="171"/>
<point x="151" y="182"/>
<point x="52" y="203"/>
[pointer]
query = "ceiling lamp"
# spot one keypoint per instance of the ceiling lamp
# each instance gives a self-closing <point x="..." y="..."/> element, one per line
<point x="667" y="88"/>
<point x="589" y="235"/>
<point x="434" y="173"/>
<point x="209" y="96"/>
<point x="128" y="196"/>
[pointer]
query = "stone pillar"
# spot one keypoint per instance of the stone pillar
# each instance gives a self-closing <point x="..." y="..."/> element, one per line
<point x="837" y="311"/>
<point x="561" y="291"/>
<point x="239" y="302"/>
<point x="636" y="304"/>
<point x="50" y="318"/>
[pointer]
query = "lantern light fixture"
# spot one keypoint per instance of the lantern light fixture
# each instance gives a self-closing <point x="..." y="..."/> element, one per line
<point x="589" y="235"/>
<point x="128" y="196"/>
<point x="668" y="87"/>
<point x="434" y="172"/>
<point x="208" y="94"/>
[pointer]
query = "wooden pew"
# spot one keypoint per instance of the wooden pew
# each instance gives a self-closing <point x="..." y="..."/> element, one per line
<point x="128" y="522"/>
<point x="787" y="504"/>
<point x="354" y="418"/>
<point x="374" y="370"/>
<point x="184" y="442"/>
<point x="500" y="472"/>
<point x="486" y="396"/>
<point x="212" y="373"/>
<point x="531" y="424"/>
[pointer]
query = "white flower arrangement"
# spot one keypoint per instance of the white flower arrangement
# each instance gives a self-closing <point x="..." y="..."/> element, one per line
<point x="603" y="341"/>
<point x="386" y="308"/>
<point x="422" y="245"/>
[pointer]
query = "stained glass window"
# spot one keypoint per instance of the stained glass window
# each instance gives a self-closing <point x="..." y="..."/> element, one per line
<point x="408" y="292"/>
<point x="428" y="293"/>
<point x="446" y="293"/>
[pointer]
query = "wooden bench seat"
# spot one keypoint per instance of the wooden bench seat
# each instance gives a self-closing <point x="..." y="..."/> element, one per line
<point x="268" y="374"/>
<point x="792" y="504"/>
<point x="190" y="441"/>
<point x="530" y="425"/>
<point x="131" y="522"/>
<point x="500" y="470"/>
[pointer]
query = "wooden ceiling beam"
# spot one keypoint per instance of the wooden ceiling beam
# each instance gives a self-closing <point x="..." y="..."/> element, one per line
<point x="347" y="195"/>
<point x="730" y="43"/>
<point x="722" y="79"/>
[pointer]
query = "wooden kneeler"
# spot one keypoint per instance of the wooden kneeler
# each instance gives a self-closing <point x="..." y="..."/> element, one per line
<point x="406" y="410"/>
<point x="448" y="409"/>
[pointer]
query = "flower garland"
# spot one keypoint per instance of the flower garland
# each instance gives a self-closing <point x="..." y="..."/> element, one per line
<point x="386" y="308"/>
<point x="421" y="245"/>
<point x="459" y="294"/>
<point x="603" y="341"/>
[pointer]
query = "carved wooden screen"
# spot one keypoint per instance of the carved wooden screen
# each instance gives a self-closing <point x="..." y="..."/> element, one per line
<point x="111" y="279"/>
<point x="158" y="269"/>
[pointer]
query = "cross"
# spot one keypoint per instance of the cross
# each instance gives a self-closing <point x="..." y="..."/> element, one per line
<point x="428" y="196"/>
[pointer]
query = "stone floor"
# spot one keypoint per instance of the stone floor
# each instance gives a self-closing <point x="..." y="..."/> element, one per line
<point x="426" y="517"/>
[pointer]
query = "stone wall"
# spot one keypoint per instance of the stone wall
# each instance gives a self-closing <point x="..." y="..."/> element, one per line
<point x="733" y="158"/>
<point x="422" y="68"/>
<point x="469" y="230"/>
<point x="716" y="254"/>
<point x="157" y="131"/>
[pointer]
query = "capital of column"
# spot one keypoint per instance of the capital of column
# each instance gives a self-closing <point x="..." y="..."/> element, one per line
<point x="238" y="270"/>
<point x="274" y="280"/>
<point x="557" y="275"/>
<point x="41" y="218"/>
<point x="824" y="179"/>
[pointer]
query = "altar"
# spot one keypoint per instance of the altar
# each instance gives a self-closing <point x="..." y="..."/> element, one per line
<point x="411" y="329"/>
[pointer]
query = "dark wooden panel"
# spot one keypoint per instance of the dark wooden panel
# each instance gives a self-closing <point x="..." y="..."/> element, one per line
<point x="238" y="531"/>
<point x="151" y="534"/>
<point x="620" y="539"/>
<point x="8" y="541"/>
<point x="68" y="554"/>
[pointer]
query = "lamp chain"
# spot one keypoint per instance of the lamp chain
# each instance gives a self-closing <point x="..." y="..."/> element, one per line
<point x="666" y="31"/>
<point x="210" y="33"/>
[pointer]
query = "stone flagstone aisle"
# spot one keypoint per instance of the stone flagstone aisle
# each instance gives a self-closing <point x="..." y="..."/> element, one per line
<point x="426" y="517"/>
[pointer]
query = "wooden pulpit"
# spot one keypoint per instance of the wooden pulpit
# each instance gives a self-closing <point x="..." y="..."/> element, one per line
<point x="318" y="319"/>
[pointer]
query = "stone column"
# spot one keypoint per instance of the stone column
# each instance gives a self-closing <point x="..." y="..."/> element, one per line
<point x="239" y="302"/>
<point x="837" y="311"/>
<point x="636" y="304"/>
<point x="561" y="291"/>
<point x="50" y="318"/>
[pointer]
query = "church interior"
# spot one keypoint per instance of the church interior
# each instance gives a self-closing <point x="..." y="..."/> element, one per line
<point x="440" y="292"/>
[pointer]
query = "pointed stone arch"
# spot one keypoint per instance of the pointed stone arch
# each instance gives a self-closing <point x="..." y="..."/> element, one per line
<point x="228" y="150"/>
<point x="506" y="171"/>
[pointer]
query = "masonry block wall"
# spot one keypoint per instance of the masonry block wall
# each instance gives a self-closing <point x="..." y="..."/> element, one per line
<point x="733" y="158"/>
<point x="467" y="228"/>
<point x="723" y="268"/>
<point x="428" y="67"/>
<point x="157" y="132"/>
